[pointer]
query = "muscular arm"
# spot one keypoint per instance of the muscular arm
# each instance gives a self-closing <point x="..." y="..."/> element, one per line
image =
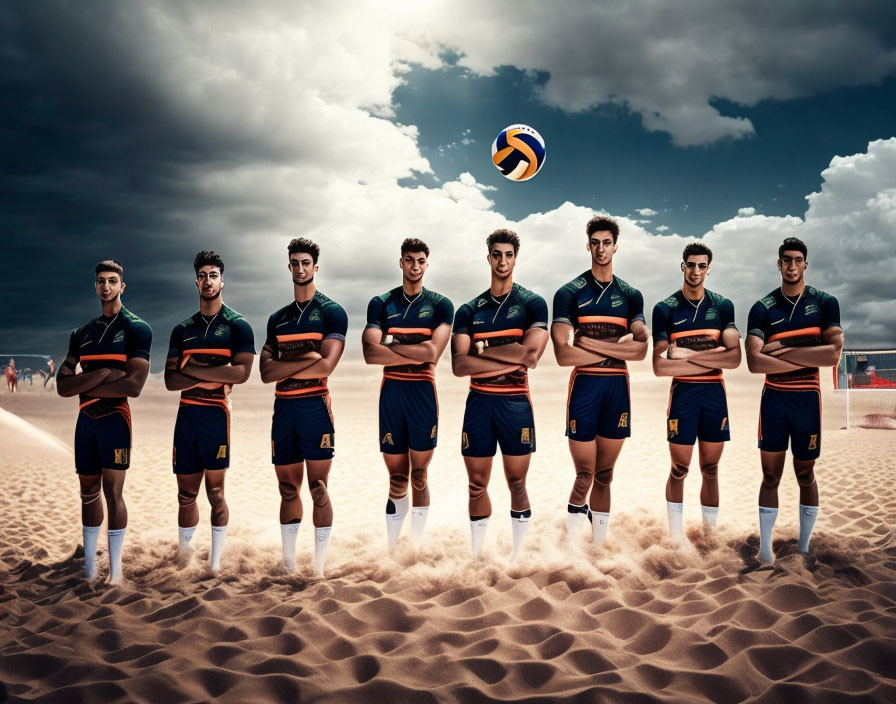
<point x="826" y="355"/>
<point x="465" y="364"/>
<point x="375" y="352"/>
<point x="330" y="353"/>
<point x="175" y="380"/>
<point x="568" y="355"/>
<point x="236" y="372"/>
<point x="68" y="383"/>
<point x="727" y="356"/>
<point x="662" y="366"/>
<point x="632" y="350"/>
<point x="760" y="363"/>
<point x="273" y="371"/>
<point x="526" y="353"/>
<point x="130" y="384"/>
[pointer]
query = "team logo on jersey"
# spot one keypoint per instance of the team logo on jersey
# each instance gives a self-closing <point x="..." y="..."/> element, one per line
<point x="679" y="322"/>
<point x="432" y="435"/>
<point x="425" y="312"/>
<point x="481" y="302"/>
<point x="314" y="317"/>
<point x="524" y="436"/>
<point x="671" y="301"/>
<point x="464" y="441"/>
<point x="623" y="420"/>
<point x="514" y="312"/>
<point x="813" y="442"/>
<point x="572" y="426"/>
<point x="712" y="314"/>
<point x="222" y="452"/>
<point x="616" y="300"/>
<point x="768" y="301"/>
<point x="119" y="336"/>
<point x="326" y="441"/>
<point x="387" y="439"/>
<point x="811" y="308"/>
<point x="121" y="455"/>
<point x="220" y="330"/>
<point x="673" y="426"/>
<point x="724" y="422"/>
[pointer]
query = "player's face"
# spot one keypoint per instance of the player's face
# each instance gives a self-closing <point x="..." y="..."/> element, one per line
<point x="413" y="266"/>
<point x="502" y="259"/>
<point x="695" y="269"/>
<point x="109" y="286"/>
<point x="792" y="265"/>
<point x="209" y="282"/>
<point x="602" y="247"/>
<point x="302" y="267"/>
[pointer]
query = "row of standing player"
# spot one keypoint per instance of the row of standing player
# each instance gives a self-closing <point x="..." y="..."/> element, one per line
<point x="13" y="375"/>
<point x="598" y="325"/>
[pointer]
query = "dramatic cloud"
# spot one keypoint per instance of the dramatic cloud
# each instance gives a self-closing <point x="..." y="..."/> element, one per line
<point x="646" y="212"/>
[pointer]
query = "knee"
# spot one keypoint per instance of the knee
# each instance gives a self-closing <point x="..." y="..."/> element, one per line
<point x="710" y="470"/>
<point x="679" y="470"/>
<point x="398" y="485"/>
<point x="90" y="494"/>
<point x="770" y="479"/>
<point x="517" y="486"/>
<point x="288" y="491"/>
<point x="185" y="497"/>
<point x="319" y="494"/>
<point x="112" y="492"/>
<point x="476" y="487"/>
<point x="805" y="476"/>
<point x="418" y="479"/>
<point x="584" y="475"/>
<point x="603" y="477"/>
<point x="216" y="497"/>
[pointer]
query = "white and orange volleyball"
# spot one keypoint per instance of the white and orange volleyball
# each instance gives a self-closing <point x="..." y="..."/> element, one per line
<point x="518" y="152"/>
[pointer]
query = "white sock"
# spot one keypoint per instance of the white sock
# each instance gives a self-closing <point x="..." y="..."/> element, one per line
<point x="575" y="515"/>
<point x="710" y="515"/>
<point x="288" y="532"/>
<point x="321" y="542"/>
<point x="90" y="533"/>
<point x="477" y="535"/>
<point x="600" y="523"/>
<point x="396" y="510"/>
<point x="808" y="514"/>
<point x="185" y="536"/>
<point x="519" y="521"/>
<point x="214" y="557"/>
<point x="675" y="512"/>
<point x="116" y="542"/>
<point x="418" y="521"/>
<point x="767" y="517"/>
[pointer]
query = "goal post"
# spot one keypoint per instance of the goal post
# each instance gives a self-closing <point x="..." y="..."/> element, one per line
<point x="868" y="378"/>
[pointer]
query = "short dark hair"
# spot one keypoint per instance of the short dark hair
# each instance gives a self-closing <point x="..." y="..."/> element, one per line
<point x="412" y="244"/>
<point x="602" y="223"/>
<point x="696" y="248"/>
<point x="306" y="246"/>
<point x="503" y="236"/>
<point x="208" y="257"/>
<point x="792" y="244"/>
<point x="109" y="265"/>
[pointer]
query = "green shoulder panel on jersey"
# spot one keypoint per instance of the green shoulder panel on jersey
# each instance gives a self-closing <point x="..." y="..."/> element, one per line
<point x="230" y="314"/>
<point x="626" y="287"/>
<point x="188" y="322"/>
<point x="670" y="302"/>
<point x="715" y="299"/>
<point x="577" y="284"/>
<point x="769" y="300"/>
<point x="131" y="317"/>
<point x="525" y="295"/>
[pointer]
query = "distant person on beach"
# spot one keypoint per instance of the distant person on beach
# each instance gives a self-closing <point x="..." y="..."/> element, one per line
<point x="50" y="373"/>
<point x="407" y="330"/>
<point x="791" y="332"/>
<point x="208" y="353"/>
<point x="12" y="377"/>
<point x="304" y="343"/>
<point x="498" y="337"/>
<point x="113" y="351"/>
<point x="598" y="325"/>
<point x="694" y="338"/>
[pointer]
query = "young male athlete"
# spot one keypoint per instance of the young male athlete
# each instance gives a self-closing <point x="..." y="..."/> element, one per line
<point x="113" y="351"/>
<point x="407" y="331"/>
<point x="12" y="377"/>
<point x="694" y="338"/>
<point x="304" y="342"/>
<point x="598" y="325"/>
<point x="498" y="337"/>
<point x="209" y="352"/>
<point x="790" y="333"/>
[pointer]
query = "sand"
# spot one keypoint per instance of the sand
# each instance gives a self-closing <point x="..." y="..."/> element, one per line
<point x="638" y="621"/>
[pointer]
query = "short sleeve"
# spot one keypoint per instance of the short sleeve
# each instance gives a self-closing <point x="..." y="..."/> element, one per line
<point x="726" y="315"/>
<point x="660" y="323"/>
<point x="757" y="321"/>
<point x="242" y="337"/>
<point x="830" y="313"/>
<point x="563" y="307"/>
<point x="270" y="339"/>
<point x="375" y="313"/>
<point x="175" y="344"/>
<point x="444" y="312"/>
<point x="536" y="312"/>
<point x="635" y="308"/>
<point x="335" y="322"/>
<point x="463" y="321"/>
<point x="139" y="341"/>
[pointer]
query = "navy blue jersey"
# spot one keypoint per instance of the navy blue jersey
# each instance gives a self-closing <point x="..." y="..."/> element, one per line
<point x="501" y="321"/>
<point x="601" y="312"/>
<point x="213" y="340"/>
<point x="694" y="325"/>
<point x="105" y="343"/>
<point x="410" y="320"/>
<point x="795" y="323"/>
<point x="294" y="330"/>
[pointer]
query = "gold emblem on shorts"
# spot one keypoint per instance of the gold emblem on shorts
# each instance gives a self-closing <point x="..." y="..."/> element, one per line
<point x="387" y="439"/>
<point x="465" y="441"/>
<point x="623" y="421"/>
<point x="121" y="456"/>
<point x="524" y="436"/>
<point x="572" y="427"/>
<point x="724" y="422"/>
<point x="813" y="442"/>
<point x="433" y="433"/>
<point x="673" y="426"/>
<point x="222" y="452"/>
<point x="326" y="441"/>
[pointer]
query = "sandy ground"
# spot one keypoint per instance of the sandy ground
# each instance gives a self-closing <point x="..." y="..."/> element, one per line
<point x="638" y="621"/>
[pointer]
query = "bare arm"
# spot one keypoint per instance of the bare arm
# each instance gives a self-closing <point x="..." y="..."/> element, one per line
<point x="375" y="352"/>
<point x="465" y="364"/>
<point x="727" y="356"/>
<point x="272" y="370"/>
<point x="68" y="383"/>
<point x="429" y="351"/>
<point x="236" y="372"/>
<point x="662" y="366"/>
<point x="826" y="355"/>
<point x="130" y="384"/>
<point x="330" y="353"/>
<point x="175" y="380"/>
<point x="760" y="363"/>
<point x="568" y="355"/>
<point x="632" y="350"/>
<point x="527" y="353"/>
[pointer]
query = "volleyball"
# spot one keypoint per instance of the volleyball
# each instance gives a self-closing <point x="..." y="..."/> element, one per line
<point x="518" y="152"/>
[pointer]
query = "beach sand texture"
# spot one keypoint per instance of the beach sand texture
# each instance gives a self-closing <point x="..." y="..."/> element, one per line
<point x="638" y="621"/>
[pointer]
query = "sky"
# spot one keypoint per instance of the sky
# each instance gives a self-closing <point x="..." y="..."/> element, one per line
<point x="148" y="131"/>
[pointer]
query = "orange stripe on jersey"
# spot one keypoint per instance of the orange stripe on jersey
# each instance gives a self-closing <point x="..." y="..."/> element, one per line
<point x="714" y="334"/>
<point x="409" y="331"/>
<point x="601" y="371"/>
<point x="603" y="319"/>
<point x="795" y="333"/>
<point x="498" y="333"/>
<point x="217" y="403"/>
<point x="409" y="376"/>
<point x="217" y="352"/>
<point x="87" y="403"/>
<point x="307" y="391"/>
<point x="801" y="386"/>
<point x="104" y="357"/>
<point x="499" y="389"/>
<point x="300" y="336"/>
<point x="709" y="377"/>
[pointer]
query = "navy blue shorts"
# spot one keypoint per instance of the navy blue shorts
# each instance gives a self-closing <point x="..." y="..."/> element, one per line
<point x="598" y="405"/>
<point x="409" y="416"/>
<point x="103" y="442"/>
<point x="302" y="429"/>
<point x="201" y="438"/>
<point x="793" y="416"/>
<point x="497" y="419"/>
<point x="697" y="409"/>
